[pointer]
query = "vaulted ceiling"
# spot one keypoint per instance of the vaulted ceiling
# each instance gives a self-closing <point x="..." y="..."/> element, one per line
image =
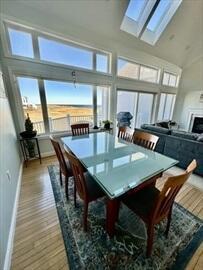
<point x="181" y="43"/>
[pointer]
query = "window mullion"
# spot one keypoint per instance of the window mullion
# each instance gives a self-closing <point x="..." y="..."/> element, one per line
<point x="94" y="61"/>
<point x="136" y="113"/>
<point x="44" y="105"/>
<point x="94" y="97"/>
<point x="35" y="45"/>
<point x="164" y="106"/>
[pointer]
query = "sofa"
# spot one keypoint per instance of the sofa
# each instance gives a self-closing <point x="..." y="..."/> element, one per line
<point x="180" y="145"/>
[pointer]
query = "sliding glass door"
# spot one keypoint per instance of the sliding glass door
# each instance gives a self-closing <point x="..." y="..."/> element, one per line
<point x="144" y="109"/>
<point x="139" y="104"/>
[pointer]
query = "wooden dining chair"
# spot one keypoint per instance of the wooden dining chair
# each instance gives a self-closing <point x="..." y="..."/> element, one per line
<point x="64" y="165"/>
<point x="126" y="134"/>
<point x="80" y="129"/>
<point x="86" y="187"/>
<point x="145" y="139"/>
<point x="152" y="205"/>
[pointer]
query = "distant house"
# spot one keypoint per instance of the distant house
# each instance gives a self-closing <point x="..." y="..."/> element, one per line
<point x="26" y="104"/>
<point x="25" y="101"/>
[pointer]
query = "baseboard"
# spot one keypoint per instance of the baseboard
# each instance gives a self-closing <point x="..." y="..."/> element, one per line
<point x="7" y="262"/>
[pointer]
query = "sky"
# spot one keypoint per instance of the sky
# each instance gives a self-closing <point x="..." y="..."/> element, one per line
<point x="57" y="92"/>
<point x="52" y="51"/>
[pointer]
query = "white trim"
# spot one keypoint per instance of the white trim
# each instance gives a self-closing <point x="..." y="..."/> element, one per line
<point x="7" y="261"/>
<point x="48" y="154"/>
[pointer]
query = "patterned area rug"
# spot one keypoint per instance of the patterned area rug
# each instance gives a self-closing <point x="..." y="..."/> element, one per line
<point x="95" y="250"/>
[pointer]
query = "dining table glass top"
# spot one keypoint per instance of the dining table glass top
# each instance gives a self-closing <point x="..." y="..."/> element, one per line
<point x="115" y="164"/>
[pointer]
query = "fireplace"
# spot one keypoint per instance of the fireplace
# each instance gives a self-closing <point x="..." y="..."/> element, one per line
<point x="198" y="125"/>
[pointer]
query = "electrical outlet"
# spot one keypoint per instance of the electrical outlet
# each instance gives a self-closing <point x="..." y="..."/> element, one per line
<point x="8" y="175"/>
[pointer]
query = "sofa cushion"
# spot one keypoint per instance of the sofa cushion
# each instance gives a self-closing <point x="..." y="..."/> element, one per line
<point x="184" y="134"/>
<point x="200" y="138"/>
<point x="156" y="129"/>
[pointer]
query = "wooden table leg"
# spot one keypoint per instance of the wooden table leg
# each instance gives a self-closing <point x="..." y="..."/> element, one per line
<point x="112" y="211"/>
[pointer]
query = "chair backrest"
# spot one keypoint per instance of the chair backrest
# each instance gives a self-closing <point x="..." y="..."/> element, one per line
<point x="59" y="154"/>
<point x="78" y="173"/>
<point x="170" y="190"/>
<point x="126" y="133"/>
<point x="145" y="139"/>
<point x="80" y="129"/>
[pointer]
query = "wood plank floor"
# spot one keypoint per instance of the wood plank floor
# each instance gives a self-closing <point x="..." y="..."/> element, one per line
<point x="38" y="240"/>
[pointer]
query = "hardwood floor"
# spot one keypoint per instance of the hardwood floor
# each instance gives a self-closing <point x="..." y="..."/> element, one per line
<point x="38" y="240"/>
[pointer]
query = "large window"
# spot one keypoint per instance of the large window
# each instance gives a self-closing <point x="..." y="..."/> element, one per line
<point x="21" y="43"/>
<point x="67" y="104"/>
<point x="31" y="102"/>
<point x="166" y="106"/>
<point x="137" y="71"/>
<point x="102" y="104"/>
<point x="170" y="79"/>
<point x="63" y="103"/>
<point x="140" y="106"/>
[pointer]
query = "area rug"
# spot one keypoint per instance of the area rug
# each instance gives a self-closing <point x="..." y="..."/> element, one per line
<point x="126" y="250"/>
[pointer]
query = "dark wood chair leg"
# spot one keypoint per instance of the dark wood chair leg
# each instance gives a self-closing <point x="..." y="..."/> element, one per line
<point x="61" y="182"/>
<point x="66" y="186"/>
<point x="85" y="215"/>
<point x="168" y="222"/>
<point x="75" y="202"/>
<point x="150" y="238"/>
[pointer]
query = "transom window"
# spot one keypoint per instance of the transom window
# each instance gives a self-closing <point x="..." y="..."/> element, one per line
<point x="21" y="43"/>
<point x="137" y="71"/>
<point x="61" y="53"/>
<point x="170" y="79"/>
<point x="55" y="50"/>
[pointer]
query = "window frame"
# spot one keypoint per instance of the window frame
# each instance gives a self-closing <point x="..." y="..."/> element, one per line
<point x="139" y="68"/>
<point x="35" y="34"/>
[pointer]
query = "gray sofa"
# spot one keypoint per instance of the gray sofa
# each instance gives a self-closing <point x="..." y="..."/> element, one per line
<point x="183" y="146"/>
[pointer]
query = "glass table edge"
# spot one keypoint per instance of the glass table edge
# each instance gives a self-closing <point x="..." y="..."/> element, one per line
<point x="113" y="196"/>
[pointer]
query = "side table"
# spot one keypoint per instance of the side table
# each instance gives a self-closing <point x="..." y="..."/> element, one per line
<point x="24" y="148"/>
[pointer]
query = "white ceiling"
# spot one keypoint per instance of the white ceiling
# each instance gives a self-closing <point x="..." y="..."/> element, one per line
<point x="181" y="43"/>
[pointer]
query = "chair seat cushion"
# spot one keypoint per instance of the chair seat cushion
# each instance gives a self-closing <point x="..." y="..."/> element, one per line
<point x="142" y="202"/>
<point x="94" y="190"/>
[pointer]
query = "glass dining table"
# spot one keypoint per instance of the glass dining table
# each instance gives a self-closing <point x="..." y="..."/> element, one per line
<point x="117" y="166"/>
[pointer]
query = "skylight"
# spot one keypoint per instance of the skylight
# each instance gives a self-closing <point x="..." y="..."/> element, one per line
<point x="147" y="19"/>
<point x="158" y="14"/>
<point x="135" y="8"/>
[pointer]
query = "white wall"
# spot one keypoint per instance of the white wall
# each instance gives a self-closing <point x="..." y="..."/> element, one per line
<point x="188" y="99"/>
<point x="10" y="163"/>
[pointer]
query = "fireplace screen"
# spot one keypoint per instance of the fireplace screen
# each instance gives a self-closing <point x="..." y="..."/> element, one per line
<point x="198" y="125"/>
